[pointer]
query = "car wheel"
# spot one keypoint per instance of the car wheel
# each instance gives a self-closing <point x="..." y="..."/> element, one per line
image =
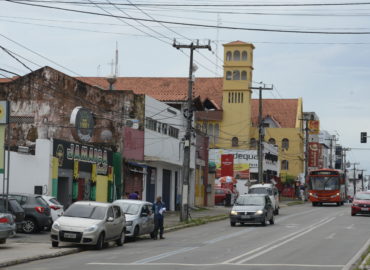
<point x="29" y="225"/>
<point x="338" y="203"/>
<point x="232" y="223"/>
<point x="100" y="243"/>
<point x="314" y="204"/>
<point x="276" y="212"/>
<point x="353" y="214"/>
<point x="3" y="241"/>
<point x="264" y="221"/>
<point x="136" y="231"/>
<point x="272" y="220"/>
<point x="121" y="239"/>
<point x="54" y="244"/>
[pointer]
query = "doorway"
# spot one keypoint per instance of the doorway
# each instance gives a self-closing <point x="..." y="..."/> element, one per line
<point x="166" y="188"/>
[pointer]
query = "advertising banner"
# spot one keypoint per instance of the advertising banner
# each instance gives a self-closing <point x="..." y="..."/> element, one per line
<point x="313" y="154"/>
<point x="227" y="165"/>
<point x="313" y="127"/>
<point x="2" y="141"/>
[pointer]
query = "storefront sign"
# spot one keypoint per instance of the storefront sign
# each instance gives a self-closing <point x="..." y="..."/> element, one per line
<point x="4" y="112"/>
<point x="69" y="152"/>
<point x="313" y="154"/>
<point x="227" y="165"/>
<point x="314" y="127"/>
<point x="83" y="121"/>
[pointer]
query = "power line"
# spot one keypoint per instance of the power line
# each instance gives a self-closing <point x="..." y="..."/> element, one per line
<point x="8" y="52"/>
<point x="201" y="25"/>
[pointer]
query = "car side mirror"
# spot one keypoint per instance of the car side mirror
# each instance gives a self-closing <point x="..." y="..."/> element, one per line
<point x="110" y="219"/>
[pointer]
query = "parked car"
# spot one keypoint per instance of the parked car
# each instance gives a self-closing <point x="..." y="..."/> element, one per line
<point x="6" y="227"/>
<point x="252" y="208"/>
<point x="361" y="203"/>
<point x="268" y="189"/>
<point x="90" y="223"/>
<point x="56" y="208"/>
<point x="220" y="195"/>
<point x="15" y="209"/>
<point x="37" y="212"/>
<point x="139" y="217"/>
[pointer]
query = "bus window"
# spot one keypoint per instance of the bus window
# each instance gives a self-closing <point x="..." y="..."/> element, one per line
<point x="324" y="183"/>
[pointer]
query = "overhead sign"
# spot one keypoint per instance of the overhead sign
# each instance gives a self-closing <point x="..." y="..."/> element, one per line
<point x="83" y="121"/>
<point x="4" y="112"/>
<point x="314" y="127"/>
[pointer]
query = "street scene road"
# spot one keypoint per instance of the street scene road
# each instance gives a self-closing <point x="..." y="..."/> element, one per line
<point x="303" y="237"/>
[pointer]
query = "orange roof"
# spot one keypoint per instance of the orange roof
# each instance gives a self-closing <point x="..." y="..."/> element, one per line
<point x="164" y="89"/>
<point x="284" y="111"/>
<point x="5" y="80"/>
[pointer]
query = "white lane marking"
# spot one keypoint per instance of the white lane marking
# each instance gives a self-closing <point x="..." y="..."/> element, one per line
<point x="350" y="227"/>
<point x="221" y="238"/>
<point x="330" y="236"/>
<point x="164" y="255"/>
<point x="218" y="264"/>
<point x="291" y="226"/>
<point x="284" y="242"/>
<point x="357" y="256"/>
<point x="275" y="241"/>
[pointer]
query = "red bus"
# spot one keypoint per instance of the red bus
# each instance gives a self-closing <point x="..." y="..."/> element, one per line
<point x="326" y="186"/>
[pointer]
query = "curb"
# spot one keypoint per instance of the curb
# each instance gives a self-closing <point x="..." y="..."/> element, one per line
<point x="40" y="257"/>
<point x="193" y="224"/>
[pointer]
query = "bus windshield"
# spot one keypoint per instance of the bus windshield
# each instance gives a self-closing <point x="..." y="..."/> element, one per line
<point x="324" y="182"/>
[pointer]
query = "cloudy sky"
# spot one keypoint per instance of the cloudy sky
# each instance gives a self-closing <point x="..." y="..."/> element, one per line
<point x="329" y="71"/>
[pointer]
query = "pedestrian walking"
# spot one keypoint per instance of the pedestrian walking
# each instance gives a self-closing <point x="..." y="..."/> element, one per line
<point x="134" y="195"/>
<point x="301" y="190"/>
<point x="158" y="209"/>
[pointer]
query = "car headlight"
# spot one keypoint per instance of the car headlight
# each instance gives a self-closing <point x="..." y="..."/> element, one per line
<point x="56" y="226"/>
<point x="128" y="223"/>
<point x="259" y="212"/>
<point x="233" y="213"/>
<point x="338" y="194"/>
<point x="91" y="228"/>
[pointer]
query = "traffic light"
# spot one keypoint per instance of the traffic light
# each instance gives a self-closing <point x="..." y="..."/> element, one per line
<point x="363" y="137"/>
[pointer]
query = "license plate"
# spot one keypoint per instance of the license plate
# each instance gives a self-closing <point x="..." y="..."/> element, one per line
<point x="245" y="217"/>
<point x="364" y="209"/>
<point x="70" y="235"/>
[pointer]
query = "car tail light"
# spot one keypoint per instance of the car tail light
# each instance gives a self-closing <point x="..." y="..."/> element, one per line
<point x="40" y="209"/>
<point x="4" y="220"/>
<point x="54" y="207"/>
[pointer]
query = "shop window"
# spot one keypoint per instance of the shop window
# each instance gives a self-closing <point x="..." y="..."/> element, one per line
<point x="253" y="143"/>
<point x="236" y="75"/>
<point x="228" y="75"/>
<point x="285" y="165"/>
<point x="228" y="56"/>
<point x="285" y="144"/>
<point x="244" y="56"/>
<point x="272" y="141"/>
<point x="236" y="56"/>
<point x="244" y="75"/>
<point x="234" y="141"/>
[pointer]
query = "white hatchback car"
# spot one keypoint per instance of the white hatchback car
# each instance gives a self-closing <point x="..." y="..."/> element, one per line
<point x="56" y="208"/>
<point x="268" y="189"/>
<point x="139" y="217"/>
<point x="89" y="223"/>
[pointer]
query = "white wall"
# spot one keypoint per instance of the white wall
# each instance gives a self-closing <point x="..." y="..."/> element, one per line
<point x="27" y="171"/>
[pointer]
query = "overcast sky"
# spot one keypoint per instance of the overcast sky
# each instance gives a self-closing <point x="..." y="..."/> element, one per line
<point x="330" y="72"/>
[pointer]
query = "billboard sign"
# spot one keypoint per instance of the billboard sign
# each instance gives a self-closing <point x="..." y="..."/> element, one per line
<point x="227" y="165"/>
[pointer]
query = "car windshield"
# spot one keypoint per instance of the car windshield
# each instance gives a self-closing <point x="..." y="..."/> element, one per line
<point x="362" y="196"/>
<point x="54" y="201"/>
<point x="250" y="200"/>
<point x="15" y="206"/>
<point x="324" y="183"/>
<point x="86" y="211"/>
<point x="260" y="190"/>
<point x="130" y="208"/>
<point x="41" y="201"/>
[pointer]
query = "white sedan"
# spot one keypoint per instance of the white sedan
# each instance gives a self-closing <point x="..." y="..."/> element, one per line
<point x="55" y="206"/>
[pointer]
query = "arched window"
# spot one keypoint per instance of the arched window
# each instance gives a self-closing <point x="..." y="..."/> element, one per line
<point x="228" y="75"/>
<point x="272" y="141"/>
<point x="253" y="143"/>
<point x="285" y="165"/>
<point x="228" y="56"/>
<point x="244" y="56"/>
<point x="236" y="56"/>
<point x="236" y="75"/>
<point x="235" y="141"/>
<point x="217" y="132"/>
<point x="285" y="144"/>
<point x="244" y="75"/>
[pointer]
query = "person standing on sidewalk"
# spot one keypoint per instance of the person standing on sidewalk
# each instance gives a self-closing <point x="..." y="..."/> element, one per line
<point x="158" y="209"/>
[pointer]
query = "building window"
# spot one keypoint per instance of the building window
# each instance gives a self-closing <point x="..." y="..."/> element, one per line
<point x="244" y="75"/>
<point x="272" y="141"/>
<point x="210" y="131"/>
<point x="204" y="127"/>
<point x="235" y="141"/>
<point x="228" y="75"/>
<point x="236" y="75"/>
<point x="239" y="99"/>
<point x="217" y="133"/>
<point x="228" y="56"/>
<point x="236" y="56"/>
<point x="164" y="128"/>
<point x="151" y="124"/>
<point x="253" y="143"/>
<point x="285" y="144"/>
<point x="244" y="56"/>
<point x="173" y="132"/>
<point x="285" y="165"/>
<point x="242" y="97"/>
<point x="232" y="97"/>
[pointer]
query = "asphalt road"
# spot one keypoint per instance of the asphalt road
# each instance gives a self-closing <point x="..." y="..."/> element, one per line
<point x="303" y="237"/>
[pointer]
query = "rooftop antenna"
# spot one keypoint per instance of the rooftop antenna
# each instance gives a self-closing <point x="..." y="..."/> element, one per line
<point x="114" y="70"/>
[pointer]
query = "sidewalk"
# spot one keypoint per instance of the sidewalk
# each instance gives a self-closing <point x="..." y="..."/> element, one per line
<point x="30" y="247"/>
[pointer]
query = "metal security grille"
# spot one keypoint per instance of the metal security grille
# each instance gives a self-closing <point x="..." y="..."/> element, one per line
<point x="22" y="119"/>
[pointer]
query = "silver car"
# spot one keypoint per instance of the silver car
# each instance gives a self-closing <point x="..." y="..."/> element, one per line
<point x="90" y="223"/>
<point x="139" y="217"/>
<point x="7" y="227"/>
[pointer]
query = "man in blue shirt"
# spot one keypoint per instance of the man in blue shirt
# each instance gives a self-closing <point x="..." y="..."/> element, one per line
<point x="158" y="210"/>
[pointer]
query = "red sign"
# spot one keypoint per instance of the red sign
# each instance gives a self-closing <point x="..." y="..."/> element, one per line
<point x="227" y="165"/>
<point x="313" y="154"/>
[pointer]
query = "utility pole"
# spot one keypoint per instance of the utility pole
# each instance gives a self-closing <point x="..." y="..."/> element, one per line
<point x="362" y="180"/>
<point x="331" y="150"/>
<point x="354" y="178"/>
<point x="306" y="130"/>
<point x="261" y="132"/>
<point x="189" y="118"/>
<point x="344" y="167"/>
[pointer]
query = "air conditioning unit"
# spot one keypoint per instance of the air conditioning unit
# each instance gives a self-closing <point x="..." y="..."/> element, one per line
<point x="132" y="123"/>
